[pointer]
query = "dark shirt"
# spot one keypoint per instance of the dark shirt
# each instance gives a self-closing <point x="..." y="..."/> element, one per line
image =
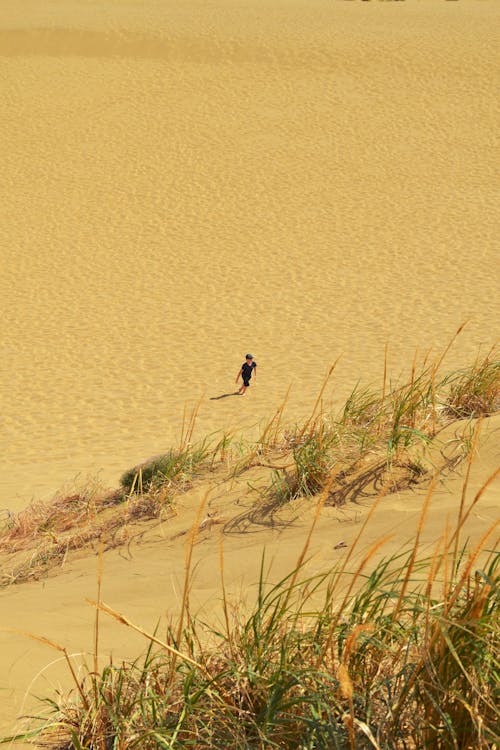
<point x="246" y="370"/>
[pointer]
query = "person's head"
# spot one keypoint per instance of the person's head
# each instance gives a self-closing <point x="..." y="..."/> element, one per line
<point x="248" y="357"/>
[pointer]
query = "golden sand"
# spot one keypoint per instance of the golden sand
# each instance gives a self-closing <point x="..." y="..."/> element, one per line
<point x="183" y="182"/>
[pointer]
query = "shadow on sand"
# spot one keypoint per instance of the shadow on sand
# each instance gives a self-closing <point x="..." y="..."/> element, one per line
<point x="224" y="395"/>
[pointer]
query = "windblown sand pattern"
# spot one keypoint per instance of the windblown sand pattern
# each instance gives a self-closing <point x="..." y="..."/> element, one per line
<point x="184" y="182"/>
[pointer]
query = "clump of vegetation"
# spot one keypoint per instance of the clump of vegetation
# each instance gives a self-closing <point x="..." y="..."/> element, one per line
<point x="48" y="532"/>
<point x="397" y="654"/>
<point x="476" y="390"/>
<point x="378" y="439"/>
<point x="312" y="467"/>
<point x="176" y="467"/>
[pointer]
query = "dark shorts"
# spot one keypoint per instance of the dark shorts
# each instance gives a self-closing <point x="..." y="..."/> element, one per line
<point x="246" y="382"/>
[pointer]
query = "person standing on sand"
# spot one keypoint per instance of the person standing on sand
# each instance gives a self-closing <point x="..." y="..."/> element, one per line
<point x="248" y="368"/>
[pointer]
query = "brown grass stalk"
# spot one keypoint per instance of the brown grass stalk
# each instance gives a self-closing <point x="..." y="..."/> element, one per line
<point x="129" y="624"/>
<point x="188" y="557"/>
<point x="97" y="612"/>
<point x="474" y="502"/>
<point x="436" y="632"/>
<point x="413" y="557"/>
<point x="308" y="421"/>
<point x="472" y="453"/>
<point x="62" y="650"/>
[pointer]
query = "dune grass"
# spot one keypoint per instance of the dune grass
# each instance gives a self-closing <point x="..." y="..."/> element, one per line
<point x="41" y="537"/>
<point x="175" y="467"/>
<point x="397" y="652"/>
<point x="379" y="439"/>
<point x="475" y="391"/>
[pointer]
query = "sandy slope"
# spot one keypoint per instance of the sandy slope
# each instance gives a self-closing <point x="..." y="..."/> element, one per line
<point x="186" y="181"/>
<point x="145" y="581"/>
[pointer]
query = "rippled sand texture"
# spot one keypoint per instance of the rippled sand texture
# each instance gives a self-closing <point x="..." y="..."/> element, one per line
<point x="186" y="181"/>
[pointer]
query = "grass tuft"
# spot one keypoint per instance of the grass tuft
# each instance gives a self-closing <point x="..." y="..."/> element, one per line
<point x="475" y="391"/>
<point x="176" y="467"/>
<point x="294" y="675"/>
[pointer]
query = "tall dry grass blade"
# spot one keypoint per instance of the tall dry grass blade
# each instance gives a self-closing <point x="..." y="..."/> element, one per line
<point x="452" y="341"/>
<point x="279" y="414"/>
<point x="354" y="545"/>
<point x="320" y="396"/>
<point x="183" y="427"/>
<point x="431" y="576"/>
<point x="352" y="639"/>
<point x="129" y="624"/>
<point x="470" y="562"/>
<point x="412" y="385"/>
<point x="413" y="556"/>
<point x="472" y="453"/>
<point x="188" y="557"/>
<point x="434" y="370"/>
<point x="437" y="632"/>
<point x="363" y="726"/>
<point x="96" y="622"/>
<point x="344" y="678"/>
<point x="384" y="379"/>
<point x="61" y="650"/>
<point x="433" y="400"/>
<point x="426" y="358"/>
<point x="274" y="422"/>
<point x="475" y="501"/>
<point x="319" y="507"/>
<point x="225" y="608"/>
<point x="447" y="578"/>
<point x="192" y="423"/>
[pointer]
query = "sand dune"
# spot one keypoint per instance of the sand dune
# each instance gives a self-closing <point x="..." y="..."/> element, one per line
<point x="184" y="183"/>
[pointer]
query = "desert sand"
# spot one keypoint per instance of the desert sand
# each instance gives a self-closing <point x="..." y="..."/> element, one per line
<point x="183" y="182"/>
<point x="186" y="182"/>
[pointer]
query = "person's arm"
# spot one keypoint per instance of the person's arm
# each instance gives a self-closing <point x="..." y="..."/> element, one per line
<point x="255" y="371"/>
<point x="238" y="375"/>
